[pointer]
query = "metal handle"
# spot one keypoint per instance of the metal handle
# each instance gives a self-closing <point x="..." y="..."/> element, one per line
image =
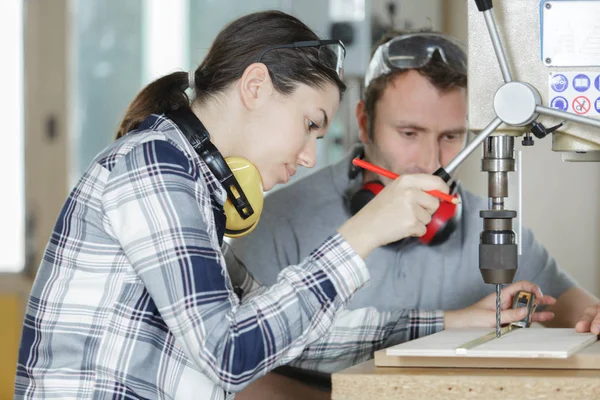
<point x="568" y="116"/>
<point x="460" y="157"/>
<point x="497" y="43"/>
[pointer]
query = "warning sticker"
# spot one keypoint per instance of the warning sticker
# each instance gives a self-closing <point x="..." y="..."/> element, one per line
<point x="576" y="92"/>
<point x="581" y="105"/>
<point x="581" y="83"/>
<point x="560" y="103"/>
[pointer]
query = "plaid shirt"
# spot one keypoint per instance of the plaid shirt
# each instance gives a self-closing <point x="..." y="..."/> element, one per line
<point x="132" y="298"/>
<point x="355" y="334"/>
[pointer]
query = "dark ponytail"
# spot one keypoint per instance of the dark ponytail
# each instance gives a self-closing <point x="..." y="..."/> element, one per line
<point x="164" y="94"/>
<point x="235" y="48"/>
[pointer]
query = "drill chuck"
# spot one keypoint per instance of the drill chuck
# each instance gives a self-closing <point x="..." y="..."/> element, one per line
<point x="498" y="252"/>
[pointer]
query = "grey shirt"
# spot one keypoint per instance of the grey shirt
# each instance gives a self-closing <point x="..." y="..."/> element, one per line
<point x="296" y="219"/>
<point x="408" y="275"/>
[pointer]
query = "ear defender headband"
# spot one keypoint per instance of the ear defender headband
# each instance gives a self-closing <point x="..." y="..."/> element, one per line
<point x="443" y="222"/>
<point x="239" y="177"/>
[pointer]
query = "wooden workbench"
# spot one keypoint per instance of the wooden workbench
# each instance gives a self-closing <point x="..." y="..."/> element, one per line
<point x="14" y="292"/>
<point x="365" y="381"/>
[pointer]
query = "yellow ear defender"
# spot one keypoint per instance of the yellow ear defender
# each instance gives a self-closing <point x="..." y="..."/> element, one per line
<point x="250" y="181"/>
<point x="239" y="177"/>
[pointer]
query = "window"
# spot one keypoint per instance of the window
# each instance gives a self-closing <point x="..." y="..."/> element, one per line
<point x="12" y="204"/>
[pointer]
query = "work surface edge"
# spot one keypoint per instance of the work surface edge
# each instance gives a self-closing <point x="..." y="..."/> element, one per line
<point x="365" y="381"/>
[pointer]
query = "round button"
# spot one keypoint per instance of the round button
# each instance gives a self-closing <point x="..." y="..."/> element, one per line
<point x="515" y="103"/>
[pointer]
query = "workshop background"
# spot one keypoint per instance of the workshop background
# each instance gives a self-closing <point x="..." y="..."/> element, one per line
<point x="69" y="69"/>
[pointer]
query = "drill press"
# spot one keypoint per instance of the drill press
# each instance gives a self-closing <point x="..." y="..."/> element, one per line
<point x="518" y="105"/>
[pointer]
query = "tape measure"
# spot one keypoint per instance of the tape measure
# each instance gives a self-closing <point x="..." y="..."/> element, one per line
<point x="521" y="299"/>
<point x="524" y="299"/>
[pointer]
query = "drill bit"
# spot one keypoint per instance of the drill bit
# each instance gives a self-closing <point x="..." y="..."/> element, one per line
<point x="498" y="287"/>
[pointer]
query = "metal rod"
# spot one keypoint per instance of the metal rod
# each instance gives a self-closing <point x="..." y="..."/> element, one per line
<point x="466" y="152"/>
<point x="497" y="43"/>
<point x="520" y="199"/>
<point x="498" y="333"/>
<point x="568" y="116"/>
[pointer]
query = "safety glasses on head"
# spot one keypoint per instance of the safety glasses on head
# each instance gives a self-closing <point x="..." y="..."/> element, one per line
<point x="330" y="52"/>
<point x="414" y="51"/>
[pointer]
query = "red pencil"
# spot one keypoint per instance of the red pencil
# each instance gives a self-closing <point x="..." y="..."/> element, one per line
<point x="389" y="174"/>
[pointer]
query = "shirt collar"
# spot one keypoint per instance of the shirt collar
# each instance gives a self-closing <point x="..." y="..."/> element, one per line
<point x="216" y="190"/>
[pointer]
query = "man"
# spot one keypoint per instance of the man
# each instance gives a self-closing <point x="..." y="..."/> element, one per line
<point x="412" y="119"/>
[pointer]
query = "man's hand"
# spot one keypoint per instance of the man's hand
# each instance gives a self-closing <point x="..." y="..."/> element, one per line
<point x="576" y="308"/>
<point x="590" y="321"/>
<point x="483" y="313"/>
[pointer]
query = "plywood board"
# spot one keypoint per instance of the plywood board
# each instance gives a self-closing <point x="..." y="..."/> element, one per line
<point x="521" y="343"/>
<point x="586" y="358"/>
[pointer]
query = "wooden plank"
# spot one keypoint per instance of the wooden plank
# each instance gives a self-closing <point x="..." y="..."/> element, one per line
<point x="586" y="358"/>
<point x="14" y="293"/>
<point x="441" y="344"/>
<point x="535" y="343"/>
<point x="11" y="305"/>
<point x="519" y="343"/>
<point x="365" y="381"/>
<point x="15" y="283"/>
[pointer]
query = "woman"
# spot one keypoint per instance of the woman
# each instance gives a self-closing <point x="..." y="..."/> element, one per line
<point x="132" y="298"/>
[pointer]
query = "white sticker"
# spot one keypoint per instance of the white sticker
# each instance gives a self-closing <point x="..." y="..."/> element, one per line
<point x="569" y="33"/>
<point x="347" y="10"/>
<point x="576" y="92"/>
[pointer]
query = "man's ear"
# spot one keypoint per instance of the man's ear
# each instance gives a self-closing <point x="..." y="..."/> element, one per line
<point x="255" y="85"/>
<point x="362" y="120"/>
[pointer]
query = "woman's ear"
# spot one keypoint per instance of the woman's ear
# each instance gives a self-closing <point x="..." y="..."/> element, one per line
<point x="255" y="85"/>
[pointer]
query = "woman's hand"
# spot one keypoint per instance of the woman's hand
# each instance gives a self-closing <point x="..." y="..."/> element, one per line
<point x="483" y="313"/>
<point x="401" y="209"/>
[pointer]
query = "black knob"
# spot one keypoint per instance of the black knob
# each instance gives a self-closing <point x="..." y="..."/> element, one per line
<point x="441" y="172"/>
<point x="484" y="5"/>
<point x="527" y="140"/>
<point x="540" y="131"/>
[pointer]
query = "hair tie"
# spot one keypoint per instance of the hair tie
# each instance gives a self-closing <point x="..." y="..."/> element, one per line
<point x="192" y="79"/>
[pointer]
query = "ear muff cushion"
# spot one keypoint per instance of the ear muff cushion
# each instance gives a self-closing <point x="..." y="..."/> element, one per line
<point x="364" y="195"/>
<point x="241" y="232"/>
<point x="443" y="223"/>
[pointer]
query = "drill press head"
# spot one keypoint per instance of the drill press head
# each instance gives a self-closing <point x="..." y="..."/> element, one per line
<point x="498" y="251"/>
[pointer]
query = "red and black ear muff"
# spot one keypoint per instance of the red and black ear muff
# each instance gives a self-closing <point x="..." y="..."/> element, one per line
<point x="360" y="199"/>
<point x="446" y="218"/>
<point x="443" y="222"/>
